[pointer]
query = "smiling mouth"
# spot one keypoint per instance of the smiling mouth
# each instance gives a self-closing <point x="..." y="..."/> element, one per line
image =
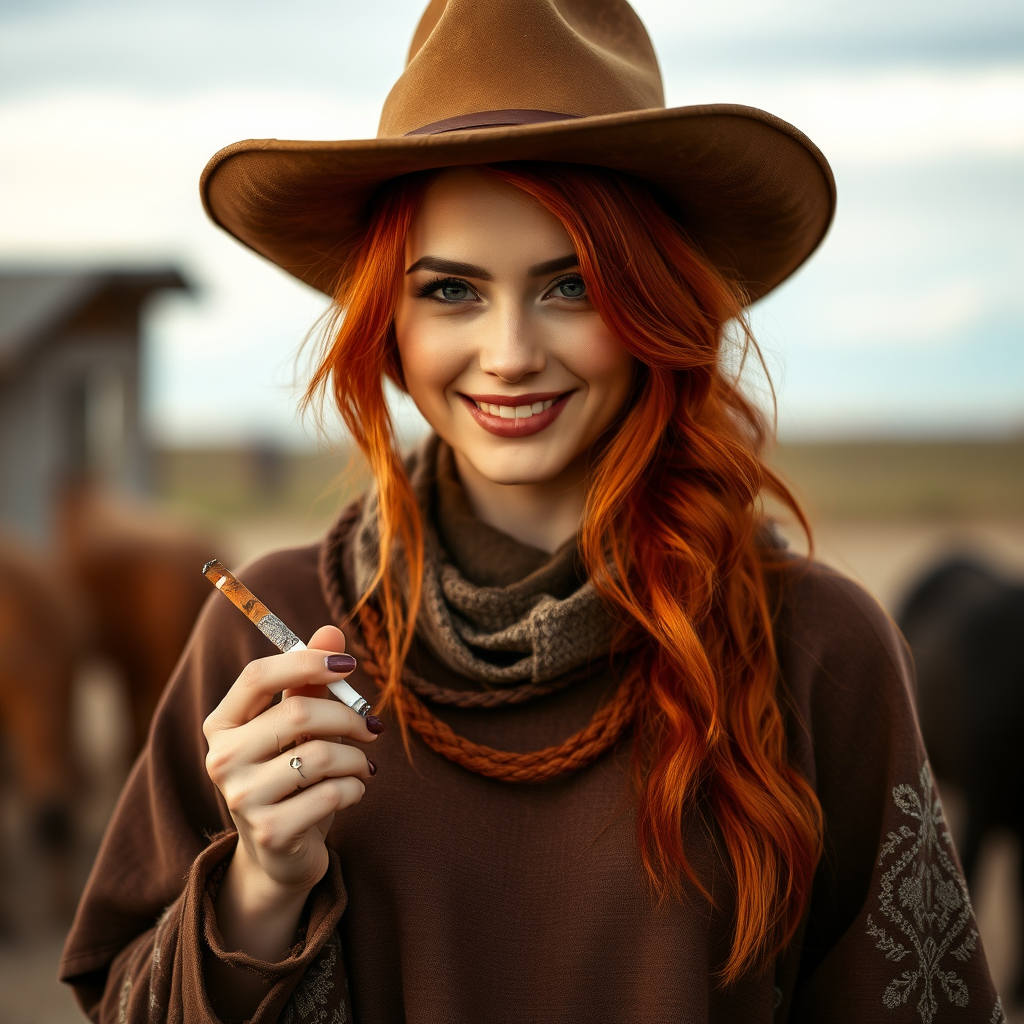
<point x="513" y="412"/>
<point x="516" y="415"/>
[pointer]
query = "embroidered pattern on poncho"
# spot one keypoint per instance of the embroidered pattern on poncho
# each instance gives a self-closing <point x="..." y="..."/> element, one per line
<point x="924" y="899"/>
<point x="314" y="1001"/>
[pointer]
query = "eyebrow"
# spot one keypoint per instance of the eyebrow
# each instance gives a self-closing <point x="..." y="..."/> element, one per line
<point x="442" y="266"/>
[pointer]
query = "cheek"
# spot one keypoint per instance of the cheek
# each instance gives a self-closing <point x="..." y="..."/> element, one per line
<point x="594" y="355"/>
<point x="430" y="362"/>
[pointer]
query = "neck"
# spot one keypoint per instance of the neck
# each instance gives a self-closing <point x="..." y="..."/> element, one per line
<point x="544" y="514"/>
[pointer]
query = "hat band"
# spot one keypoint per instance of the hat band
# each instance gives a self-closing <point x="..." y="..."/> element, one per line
<point x="491" y="119"/>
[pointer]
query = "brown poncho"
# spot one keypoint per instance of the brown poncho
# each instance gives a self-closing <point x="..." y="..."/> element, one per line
<point x="454" y="898"/>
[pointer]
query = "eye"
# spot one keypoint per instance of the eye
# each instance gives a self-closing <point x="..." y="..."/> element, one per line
<point x="571" y="287"/>
<point x="454" y="291"/>
<point x="448" y="289"/>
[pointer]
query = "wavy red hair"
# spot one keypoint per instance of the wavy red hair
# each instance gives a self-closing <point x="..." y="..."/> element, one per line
<point x="672" y="531"/>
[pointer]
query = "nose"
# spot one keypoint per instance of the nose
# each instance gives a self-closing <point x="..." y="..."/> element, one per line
<point x="509" y="349"/>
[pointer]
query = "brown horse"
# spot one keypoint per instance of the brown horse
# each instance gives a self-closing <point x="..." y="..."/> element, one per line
<point x="137" y="570"/>
<point x="126" y="586"/>
<point x="41" y="642"/>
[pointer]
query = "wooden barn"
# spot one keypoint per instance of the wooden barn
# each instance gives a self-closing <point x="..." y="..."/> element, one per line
<point x="69" y="385"/>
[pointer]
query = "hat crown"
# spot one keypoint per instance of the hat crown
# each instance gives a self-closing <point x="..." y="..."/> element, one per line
<point x="569" y="57"/>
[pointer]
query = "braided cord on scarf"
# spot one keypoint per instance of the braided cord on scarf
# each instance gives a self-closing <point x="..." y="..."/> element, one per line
<point x="605" y="729"/>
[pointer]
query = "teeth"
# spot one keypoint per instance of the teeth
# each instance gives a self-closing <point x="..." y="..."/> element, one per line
<point x="515" y="412"/>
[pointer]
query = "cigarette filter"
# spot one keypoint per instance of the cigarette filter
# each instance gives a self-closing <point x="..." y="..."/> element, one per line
<point x="272" y="627"/>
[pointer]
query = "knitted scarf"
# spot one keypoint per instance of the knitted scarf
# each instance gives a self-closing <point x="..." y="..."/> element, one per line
<point x="520" y="622"/>
<point x="492" y="609"/>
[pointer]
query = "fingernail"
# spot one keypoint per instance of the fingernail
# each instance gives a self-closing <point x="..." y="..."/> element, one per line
<point x="374" y="724"/>
<point x="372" y="767"/>
<point x="340" y="662"/>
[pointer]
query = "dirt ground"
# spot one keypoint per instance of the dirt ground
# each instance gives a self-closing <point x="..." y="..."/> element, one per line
<point x="883" y="555"/>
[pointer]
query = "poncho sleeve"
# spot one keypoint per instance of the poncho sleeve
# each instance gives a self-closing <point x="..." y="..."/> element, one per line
<point x="145" y="923"/>
<point x="891" y="935"/>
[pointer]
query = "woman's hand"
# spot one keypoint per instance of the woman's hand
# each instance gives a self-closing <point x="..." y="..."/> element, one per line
<point x="283" y="813"/>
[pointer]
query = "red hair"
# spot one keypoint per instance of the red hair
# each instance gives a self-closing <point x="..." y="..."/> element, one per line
<point x="672" y="532"/>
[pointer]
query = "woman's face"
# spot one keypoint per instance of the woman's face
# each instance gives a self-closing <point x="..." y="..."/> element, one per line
<point x="501" y="350"/>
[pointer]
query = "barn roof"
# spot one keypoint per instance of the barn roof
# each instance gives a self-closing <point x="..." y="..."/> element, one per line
<point x="36" y="303"/>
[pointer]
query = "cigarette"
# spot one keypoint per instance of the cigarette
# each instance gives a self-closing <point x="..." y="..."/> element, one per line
<point x="272" y="627"/>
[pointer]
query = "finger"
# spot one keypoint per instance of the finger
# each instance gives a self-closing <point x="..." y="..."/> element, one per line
<point x="328" y="638"/>
<point x="302" y="717"/>
<point x="261" y="679"/>
<point x="279" y="729"/>
<point x="308" y="764"/>
<point x="300" y="768"/>
<point x="278" y="826"/>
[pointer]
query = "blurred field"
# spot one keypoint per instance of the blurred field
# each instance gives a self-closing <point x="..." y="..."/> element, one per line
<point x="882" y="512"/>
<point x="935" y="480"/>
<point x="932" y="481"/>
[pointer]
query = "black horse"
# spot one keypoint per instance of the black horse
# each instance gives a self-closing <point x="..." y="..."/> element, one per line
<point x="965" y="624"/>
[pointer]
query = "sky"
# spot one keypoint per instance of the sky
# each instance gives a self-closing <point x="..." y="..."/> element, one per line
<point x="909" y="321"/>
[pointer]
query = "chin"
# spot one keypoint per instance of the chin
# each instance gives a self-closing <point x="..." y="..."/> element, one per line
<point x="513" y="463"/>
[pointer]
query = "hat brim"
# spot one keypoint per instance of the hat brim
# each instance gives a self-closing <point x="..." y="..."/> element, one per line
<point x="754" y="192"/>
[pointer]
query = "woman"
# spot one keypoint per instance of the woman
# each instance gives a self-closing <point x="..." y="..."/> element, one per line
<point x="640" y="765"/>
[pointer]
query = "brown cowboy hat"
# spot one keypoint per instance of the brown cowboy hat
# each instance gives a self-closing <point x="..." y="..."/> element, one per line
<point x="572" y="81"/>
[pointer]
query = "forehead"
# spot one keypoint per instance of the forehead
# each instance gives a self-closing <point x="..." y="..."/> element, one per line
<point x="466" y="213"/>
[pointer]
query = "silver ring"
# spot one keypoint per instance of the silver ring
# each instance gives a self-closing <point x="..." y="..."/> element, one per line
<point x="296" y="763"/>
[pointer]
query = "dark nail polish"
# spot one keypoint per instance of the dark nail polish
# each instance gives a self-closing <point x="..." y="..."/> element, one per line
<point x="340" y="662"/>
<point x="374" y="724"/>
<point x="372" y="767"/>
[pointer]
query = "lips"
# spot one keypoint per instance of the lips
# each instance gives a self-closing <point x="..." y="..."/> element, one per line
<point x="516" y="416"/>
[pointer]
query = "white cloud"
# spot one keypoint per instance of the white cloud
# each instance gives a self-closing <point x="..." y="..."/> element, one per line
<point x="883" y="116"/>
<point x="108" y="170"/>
<point x="668" y="20"/>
